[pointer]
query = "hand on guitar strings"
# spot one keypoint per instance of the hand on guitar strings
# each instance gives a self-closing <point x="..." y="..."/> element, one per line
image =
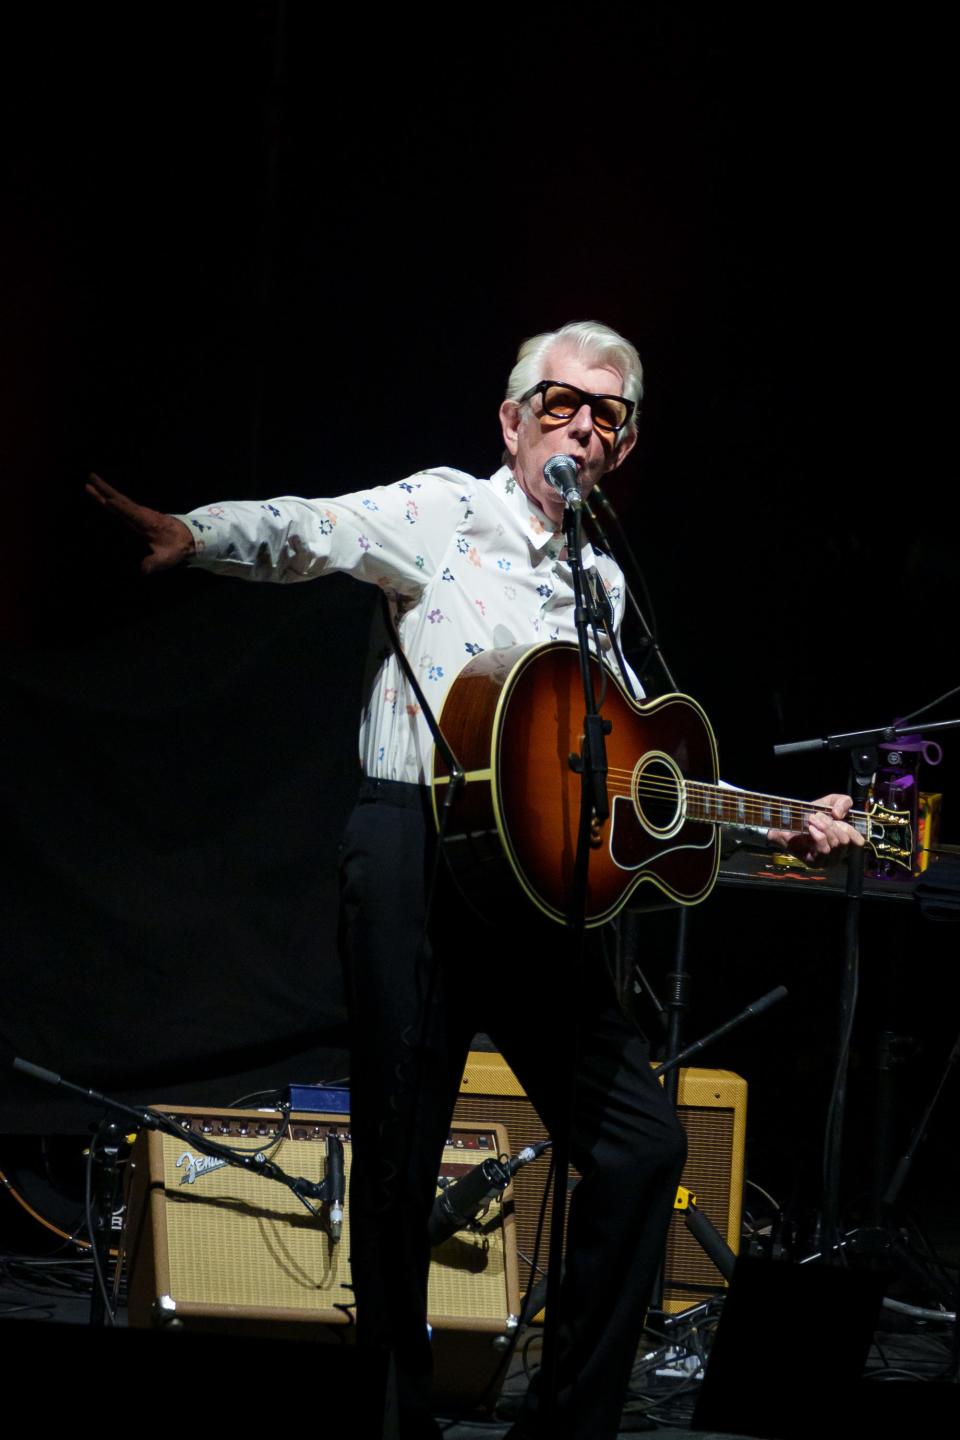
<point x="826" y="837"/>
<point x="168" y="541"/>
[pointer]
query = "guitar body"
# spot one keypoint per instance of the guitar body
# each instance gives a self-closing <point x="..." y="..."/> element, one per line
<point x="513" y="718"/>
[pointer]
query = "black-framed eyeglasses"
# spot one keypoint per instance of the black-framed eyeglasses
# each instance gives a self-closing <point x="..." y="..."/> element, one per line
<point x="561" y="401"/>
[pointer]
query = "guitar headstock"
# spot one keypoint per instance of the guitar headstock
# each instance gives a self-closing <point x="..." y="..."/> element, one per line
<point x="889" y="834"/>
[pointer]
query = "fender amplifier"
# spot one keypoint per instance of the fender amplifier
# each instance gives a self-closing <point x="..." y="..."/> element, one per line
<point x="213" y="1247"/>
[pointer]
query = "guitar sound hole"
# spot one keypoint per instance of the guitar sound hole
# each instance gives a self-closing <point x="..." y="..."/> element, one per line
<point x="658" y="794"/>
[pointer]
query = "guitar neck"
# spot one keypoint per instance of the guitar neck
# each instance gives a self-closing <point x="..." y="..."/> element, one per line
<point x="720" y="806"/>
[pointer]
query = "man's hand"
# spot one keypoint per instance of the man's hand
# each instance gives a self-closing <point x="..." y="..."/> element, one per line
<point x="826" y="836"/>
<point x="169" y="540"/>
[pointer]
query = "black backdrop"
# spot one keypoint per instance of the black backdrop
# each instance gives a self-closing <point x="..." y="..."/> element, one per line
<point x="248" y="249"/>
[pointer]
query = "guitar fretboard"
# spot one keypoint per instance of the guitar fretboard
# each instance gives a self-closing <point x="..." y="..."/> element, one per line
<point x="720" y="806"/>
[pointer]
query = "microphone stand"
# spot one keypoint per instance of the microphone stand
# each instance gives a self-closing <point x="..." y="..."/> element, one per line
<point x="591" y="765"/>
<point x="678" y="978"/>
<point x="861" y="746"/>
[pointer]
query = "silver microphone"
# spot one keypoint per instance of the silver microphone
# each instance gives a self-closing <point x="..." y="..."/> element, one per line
<point x="561" y="472"/>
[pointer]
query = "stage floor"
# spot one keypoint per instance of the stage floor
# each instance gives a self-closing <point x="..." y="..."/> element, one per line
<point x="48" y="1294"/>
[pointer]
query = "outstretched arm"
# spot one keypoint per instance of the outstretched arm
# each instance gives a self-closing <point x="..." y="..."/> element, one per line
<point x="168" y="540"/>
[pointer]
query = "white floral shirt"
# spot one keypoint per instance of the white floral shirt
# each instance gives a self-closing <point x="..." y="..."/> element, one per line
<point x="468" y="565"/>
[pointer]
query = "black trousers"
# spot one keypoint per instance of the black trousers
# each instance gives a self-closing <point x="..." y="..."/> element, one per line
<point x="415" y="1006"/>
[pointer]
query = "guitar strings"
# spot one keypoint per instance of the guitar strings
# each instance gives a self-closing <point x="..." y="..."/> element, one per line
<point x="750" y="805"/>
<point x="665" y="784"/>
<point x="700" y="788"/>
<point x="715" y="789"/>
<point x="752" y="814"/>
<point x="734" y="804"/>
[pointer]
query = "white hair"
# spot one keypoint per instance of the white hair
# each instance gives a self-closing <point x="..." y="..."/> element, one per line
<point x="591" y="342"/>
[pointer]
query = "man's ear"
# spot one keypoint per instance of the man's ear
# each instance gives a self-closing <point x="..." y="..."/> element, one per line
<point x="510" y="425"/>
<point x="622" y="451"/>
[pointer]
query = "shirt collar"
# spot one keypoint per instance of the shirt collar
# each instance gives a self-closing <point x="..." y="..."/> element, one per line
<point x="538" y="529"/>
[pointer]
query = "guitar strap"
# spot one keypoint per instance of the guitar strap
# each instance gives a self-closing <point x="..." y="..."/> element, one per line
<point x="439" y="739"/>
<point x="601" y="607"/>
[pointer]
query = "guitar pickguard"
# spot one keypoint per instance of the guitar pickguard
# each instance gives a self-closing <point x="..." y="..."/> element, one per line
<point x="632" y="848"/>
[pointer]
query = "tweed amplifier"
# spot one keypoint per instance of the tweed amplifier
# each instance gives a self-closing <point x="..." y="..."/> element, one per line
<point x="712" y="1110"/>
<point x="213" y="1247"/>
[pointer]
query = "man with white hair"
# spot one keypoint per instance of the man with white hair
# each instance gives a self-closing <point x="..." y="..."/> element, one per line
<point x="471" y="565"/>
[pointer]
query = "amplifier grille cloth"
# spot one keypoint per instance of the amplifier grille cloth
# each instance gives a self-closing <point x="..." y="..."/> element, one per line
<point x="712" y="1110"/>
<point x="234" y="1239"/>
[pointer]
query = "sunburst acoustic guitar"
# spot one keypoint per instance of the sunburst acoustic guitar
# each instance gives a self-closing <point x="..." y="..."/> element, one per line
<point x="513" y="719"/>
